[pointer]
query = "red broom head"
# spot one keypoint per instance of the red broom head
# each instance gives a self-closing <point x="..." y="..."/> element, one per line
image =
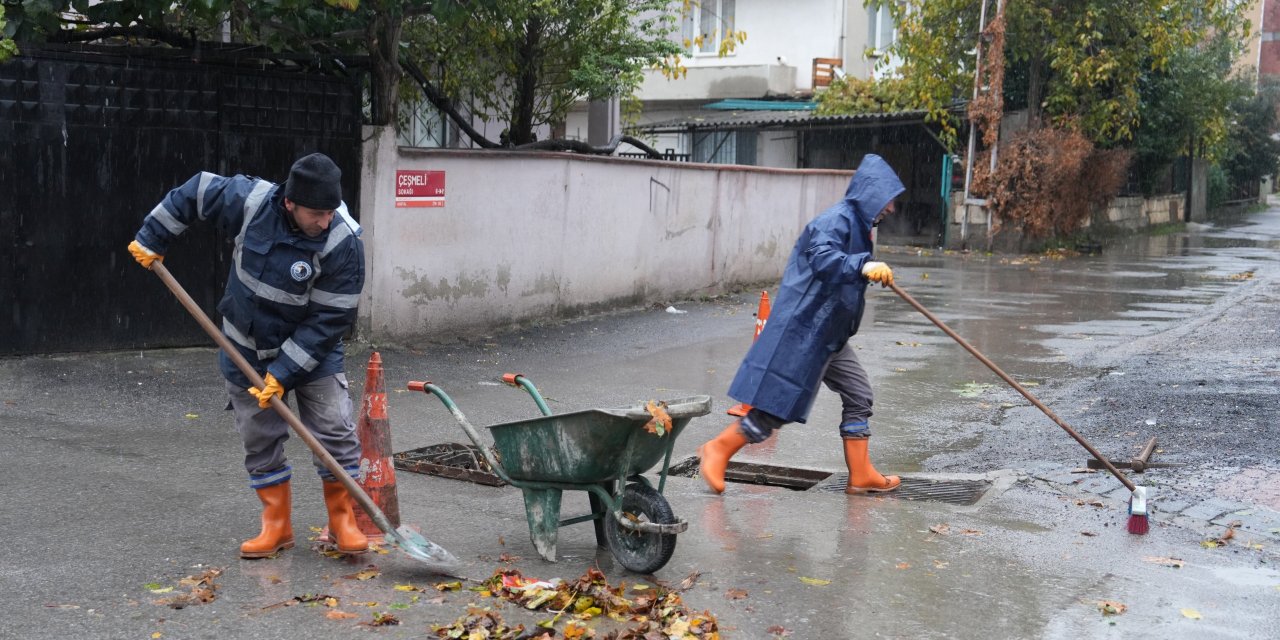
<point x="1139" y="525"/>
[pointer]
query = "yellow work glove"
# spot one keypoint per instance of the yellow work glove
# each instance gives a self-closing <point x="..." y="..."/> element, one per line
<point x="143" y="255"/>
<point x="878" y="272"/>
<point x="273" y="388"/>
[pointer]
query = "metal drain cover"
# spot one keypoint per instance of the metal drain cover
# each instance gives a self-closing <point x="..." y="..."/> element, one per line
<point x="755" y="473"/>
<point x="449" y="460"/>
<point x="958" y="492"/>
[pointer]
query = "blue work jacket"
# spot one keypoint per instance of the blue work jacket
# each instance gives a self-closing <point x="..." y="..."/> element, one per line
<point x="289" y="298"/>
<point x="820" y="300"/>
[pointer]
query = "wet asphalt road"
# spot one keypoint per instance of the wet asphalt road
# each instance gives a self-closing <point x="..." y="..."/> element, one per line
<point x="125" y="471"/>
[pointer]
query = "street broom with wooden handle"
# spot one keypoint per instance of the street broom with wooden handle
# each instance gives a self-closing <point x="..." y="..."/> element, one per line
<point x="1138" y="523"/>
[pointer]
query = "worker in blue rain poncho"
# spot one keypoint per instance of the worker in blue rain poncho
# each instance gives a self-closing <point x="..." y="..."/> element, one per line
<point x="817" y="309"/>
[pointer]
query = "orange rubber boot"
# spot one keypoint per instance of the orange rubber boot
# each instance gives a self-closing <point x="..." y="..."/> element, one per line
<point x="715" y="454"/>
<point x="342" y="519"/>
<point x="863" y="478"/>
<point x="277" y="530"/>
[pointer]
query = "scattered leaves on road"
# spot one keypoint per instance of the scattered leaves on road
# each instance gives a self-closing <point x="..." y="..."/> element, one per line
<point x="202" y="590"/>
<point x="1111" y="608"/>
<point x="1222" y="539"/>
<point x="1176" y="563"/>
<point x="382" y="619"/>
<point x="366" y="574"/>
<point x="817" y="582"/>
<point x="971" y="390"/>
<point x="340" y="615"/>
<point x="1192" y="614"/>
<point x="648" y="613"/>
<point x="735" y="594"/>
<point x="778" y="631"/>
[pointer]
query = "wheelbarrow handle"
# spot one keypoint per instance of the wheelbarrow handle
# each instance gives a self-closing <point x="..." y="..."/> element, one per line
<point x="427" y="387"/>
<point x="376" y="514"/>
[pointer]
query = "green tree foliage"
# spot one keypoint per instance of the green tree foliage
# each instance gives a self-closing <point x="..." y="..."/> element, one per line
<point x="856" y="95"/>
<point x="1082" y="60"/>
<point x="7" y="47"/>
<point x="1251" y="152"/>
<point x="1186" y="108"/>
<point x="524" y="61"/>
<point x="528" y="61"/>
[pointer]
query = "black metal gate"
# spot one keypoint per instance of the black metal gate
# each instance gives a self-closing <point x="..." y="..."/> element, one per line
<point x="91" y="141"/>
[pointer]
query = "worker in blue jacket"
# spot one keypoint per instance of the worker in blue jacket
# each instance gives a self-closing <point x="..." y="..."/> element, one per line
<point x="296" y="276"/>
<point x="817" y="309"/>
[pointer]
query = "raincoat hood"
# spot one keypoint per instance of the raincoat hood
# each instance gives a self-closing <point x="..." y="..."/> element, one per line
<point x="872" y="188"/>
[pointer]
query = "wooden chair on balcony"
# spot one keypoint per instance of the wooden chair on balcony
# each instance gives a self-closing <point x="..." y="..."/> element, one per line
<point x="824" y="71"/>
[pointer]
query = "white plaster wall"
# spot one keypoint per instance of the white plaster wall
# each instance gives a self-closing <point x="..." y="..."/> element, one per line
<point x="534" y="236"/>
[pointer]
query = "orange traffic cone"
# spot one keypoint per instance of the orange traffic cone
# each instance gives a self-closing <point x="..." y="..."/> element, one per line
<point x="762" y="316"/>
<point x="377" y="469"/>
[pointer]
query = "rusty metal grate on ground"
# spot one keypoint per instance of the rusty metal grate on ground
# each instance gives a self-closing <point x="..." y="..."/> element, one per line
<point x="449" y="460"/>
<point x="958" y="492"/>
<point x="753" y="473"/>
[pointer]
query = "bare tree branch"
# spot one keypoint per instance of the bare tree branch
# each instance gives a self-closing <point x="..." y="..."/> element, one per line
<point x="166" y="36"/>
<point x="444" y="104"/>
<point x="581" y="147"/>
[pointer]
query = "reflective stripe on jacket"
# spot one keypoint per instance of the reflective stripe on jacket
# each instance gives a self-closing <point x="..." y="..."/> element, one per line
<point x="289" y="298"/>
<point x="820" y="300"/>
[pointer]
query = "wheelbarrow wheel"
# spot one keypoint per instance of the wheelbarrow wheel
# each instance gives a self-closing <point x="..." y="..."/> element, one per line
<point x="637" y="551"/>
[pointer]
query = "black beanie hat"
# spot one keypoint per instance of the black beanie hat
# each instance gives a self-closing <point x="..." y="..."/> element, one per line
<point x="315" y="182"/>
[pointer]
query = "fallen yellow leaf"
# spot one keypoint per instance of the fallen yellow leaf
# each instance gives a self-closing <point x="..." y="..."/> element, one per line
<point x="1110" y="608"/>
<point x="817" y="582"/>
<point x="340" y="615"/>
<point x="367" y="574"/>
<point x="331" y="602"/>
<point x="156" y="635"/>
<point x="407" y="587"/>
<point x="1192" y="613"/>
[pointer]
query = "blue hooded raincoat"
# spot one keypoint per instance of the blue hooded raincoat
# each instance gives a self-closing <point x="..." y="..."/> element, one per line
<point x="820" y="300"/>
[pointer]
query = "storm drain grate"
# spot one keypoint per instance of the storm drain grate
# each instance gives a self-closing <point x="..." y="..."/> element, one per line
<point x="752" y="473"/>
<point x="958" y="492"/>
<point x="449" y="460"/>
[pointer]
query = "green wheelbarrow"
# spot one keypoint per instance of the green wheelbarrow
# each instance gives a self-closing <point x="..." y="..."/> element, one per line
<point x="601" y="451"/>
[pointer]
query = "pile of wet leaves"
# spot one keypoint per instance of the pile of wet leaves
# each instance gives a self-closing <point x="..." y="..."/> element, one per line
<point x="641" y="612"/>
<point x="201" y="590"/>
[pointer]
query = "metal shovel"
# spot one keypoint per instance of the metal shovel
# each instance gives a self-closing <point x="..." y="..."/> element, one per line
<point x="404" y="538"/>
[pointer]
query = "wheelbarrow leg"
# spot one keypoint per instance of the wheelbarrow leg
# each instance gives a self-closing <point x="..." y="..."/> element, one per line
<point x="542" y="508"/>
<point x="600" y="509"/>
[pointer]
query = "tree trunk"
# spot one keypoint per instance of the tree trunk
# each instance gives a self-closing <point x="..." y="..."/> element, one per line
<point x="383" y="37"/>
<point x="1035" y="88"/>
<point x="521" y="131"/>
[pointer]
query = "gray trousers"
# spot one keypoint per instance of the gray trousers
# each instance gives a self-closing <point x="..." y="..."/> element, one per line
<point x="324" y="406"/>
<point x="845" y="376"/>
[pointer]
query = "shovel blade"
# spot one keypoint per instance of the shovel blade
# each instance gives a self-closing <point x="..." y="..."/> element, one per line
<point x="421" y="549"/>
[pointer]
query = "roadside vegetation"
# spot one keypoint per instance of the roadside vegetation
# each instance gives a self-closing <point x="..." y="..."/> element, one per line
<point x="1116" y="93"/>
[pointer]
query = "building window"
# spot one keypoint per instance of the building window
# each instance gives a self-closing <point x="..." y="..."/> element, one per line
<point x="725" y="147"/>
<point x="882" y="32"/>
<point x="421" y="125"/>
<point x="705" y="24"/>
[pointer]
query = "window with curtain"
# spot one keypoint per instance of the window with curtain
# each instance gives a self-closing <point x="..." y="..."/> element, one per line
<point x="710" y="19"/>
